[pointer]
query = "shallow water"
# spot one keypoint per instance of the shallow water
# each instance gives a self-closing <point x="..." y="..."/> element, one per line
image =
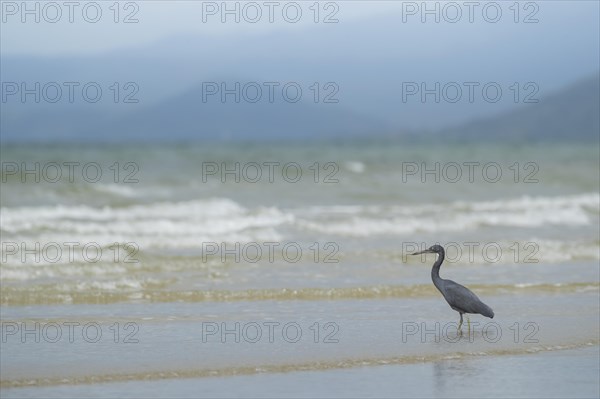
<point x="540" y="375"/>
<point x="196" y="340"/>
<point x="180" y="256"/>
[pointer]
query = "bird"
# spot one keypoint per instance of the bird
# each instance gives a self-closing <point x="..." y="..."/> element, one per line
<point x="459" y="297"/>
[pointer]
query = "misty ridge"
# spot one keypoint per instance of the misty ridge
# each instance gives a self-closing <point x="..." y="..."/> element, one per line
<point x="327" y="82"/>
<point x="571" y="113"/>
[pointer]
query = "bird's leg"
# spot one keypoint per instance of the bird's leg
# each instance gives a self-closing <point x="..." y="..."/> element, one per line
<point x="460" y="324"/>
<point x="469" y="325"/>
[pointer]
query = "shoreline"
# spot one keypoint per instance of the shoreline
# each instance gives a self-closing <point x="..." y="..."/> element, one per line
<point x="158" y="341"/>
<point x="249" y="382"/>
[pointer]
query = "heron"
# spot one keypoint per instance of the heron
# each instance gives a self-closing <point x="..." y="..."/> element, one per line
<point x="459" y="297"/>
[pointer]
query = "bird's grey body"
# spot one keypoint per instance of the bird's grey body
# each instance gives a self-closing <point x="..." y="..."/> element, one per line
<point x="459" y="297"/>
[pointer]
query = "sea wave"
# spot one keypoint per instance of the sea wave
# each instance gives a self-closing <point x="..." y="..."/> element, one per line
<point x="157" y="225"/>
<point x="524" y="212"/>
<point x="187" y="224"/>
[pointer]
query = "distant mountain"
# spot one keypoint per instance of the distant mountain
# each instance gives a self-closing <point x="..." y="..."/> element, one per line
<point x="369" y="58"/>
<point x="572" y="113"/>
<point x="187" y="117"/>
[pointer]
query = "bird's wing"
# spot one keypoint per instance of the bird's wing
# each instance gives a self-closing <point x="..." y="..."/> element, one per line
<point x="462" y="298"/>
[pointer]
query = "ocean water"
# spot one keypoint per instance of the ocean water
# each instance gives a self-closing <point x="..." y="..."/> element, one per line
<point x="177" y="252"/>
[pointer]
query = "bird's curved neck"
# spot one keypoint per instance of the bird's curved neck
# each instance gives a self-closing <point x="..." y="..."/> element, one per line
<point x="435" y="270"/>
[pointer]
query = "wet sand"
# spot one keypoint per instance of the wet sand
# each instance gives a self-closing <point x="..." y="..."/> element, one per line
<point x="193" y="349"/>
<point x="554" y="374"/>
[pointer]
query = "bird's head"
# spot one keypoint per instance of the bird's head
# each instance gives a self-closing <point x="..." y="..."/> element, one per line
<point x="434" y="249"/>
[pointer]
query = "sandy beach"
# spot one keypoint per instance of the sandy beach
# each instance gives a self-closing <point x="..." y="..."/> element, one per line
<point x="553" y="374"/>
<point x="198" y="345"/>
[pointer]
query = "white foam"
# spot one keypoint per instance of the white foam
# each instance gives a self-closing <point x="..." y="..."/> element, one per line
<point x="364" y="221"/>
<point x="121" y="190"/>
<point x="355" y="166"/>
<point x="188" y="224"/>
<point x="162" y="225"/>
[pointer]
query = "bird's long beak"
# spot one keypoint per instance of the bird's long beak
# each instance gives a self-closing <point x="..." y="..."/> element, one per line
<point x="427" y="251"/>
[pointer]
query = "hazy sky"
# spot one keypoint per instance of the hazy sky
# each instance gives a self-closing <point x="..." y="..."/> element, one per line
<point x="162" y="19"/>
<point x="157" y="20"/>
<point x="369" y="50"/>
